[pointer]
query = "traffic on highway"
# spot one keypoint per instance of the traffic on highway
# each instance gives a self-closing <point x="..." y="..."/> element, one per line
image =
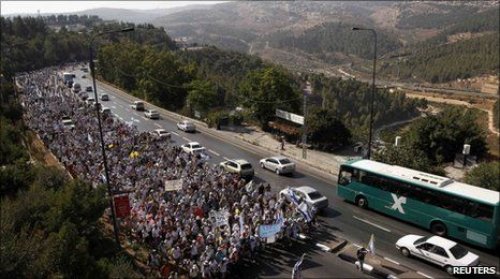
<point x="320" y="202"/>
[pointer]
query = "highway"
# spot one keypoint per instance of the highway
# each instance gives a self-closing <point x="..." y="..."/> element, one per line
<point x="340" y="219"/>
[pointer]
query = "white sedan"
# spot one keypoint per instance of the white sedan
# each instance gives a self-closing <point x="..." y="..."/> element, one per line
<point x="192" y="148"/>
<point x="186" y="126"/>
<point x="161" y="133"/>
<point x="278" y="164"/>
<point x="152" y="114"/>
<point x="437" y="250"/>
<point x="308" y="194"/>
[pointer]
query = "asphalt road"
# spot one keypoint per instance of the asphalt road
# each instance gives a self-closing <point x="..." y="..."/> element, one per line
<point x="340" y="219"/>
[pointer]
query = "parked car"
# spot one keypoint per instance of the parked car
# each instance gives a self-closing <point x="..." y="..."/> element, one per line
<point x="90" y="100"/>
<point x="104" y="97"/>
<point x="186" y="126"/>
<point x="89" y="89"/>
<point x="192" y="147"/>
<point x="308" y="194"/>
<point x="437" y="250"/>
<point x="152" y="114"/>
<point x="138" y="105"/>
<point x="161" y="133"/>
<point x="278" y="164"/>
<point x="239" y="166"/>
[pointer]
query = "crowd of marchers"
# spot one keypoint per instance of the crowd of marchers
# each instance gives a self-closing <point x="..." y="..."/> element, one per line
<point x="205" y="228"/>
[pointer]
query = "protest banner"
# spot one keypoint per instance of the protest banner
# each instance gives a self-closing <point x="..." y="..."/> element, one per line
<point x="269" y="230"/>
<point x="122" y="206"/>
<point x="220" y="217"/>
<point x="173" y="185"/>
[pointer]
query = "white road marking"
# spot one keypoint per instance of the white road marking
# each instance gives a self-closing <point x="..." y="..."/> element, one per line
<point x="120" y="105"/>
<point x="114" y="107"/>
<point x="256" y="172"/>
<point x="373" y="224"/>
<point x="302" y="236"/>
<point x="186" y="139"/>
<point x="423" y="274"/>
<point x="357" y="245"/>
<point x="323" y="247"/>
<point x="391" y="260"/>
<point x="175" y="133"/>
<point x="213" y="152"/>
<point x="144" y="118"/>
<point x="226" y="158"/>
<point x="157" y="125"/>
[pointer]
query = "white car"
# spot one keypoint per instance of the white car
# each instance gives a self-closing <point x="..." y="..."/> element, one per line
<point x="106" y="111"/>
<point x="152" y="114"/>
<point x="278" y="164"/>
<point x="137" y="105"/>
<point x="186" y="126"/>
<point x="161" y="133"/>
<point x="308" y="194"/>
<point x="192" y="147"/>
<point x="104" y="97"/>
<point x="239" y="166"/>
<point x="437" y="250"/>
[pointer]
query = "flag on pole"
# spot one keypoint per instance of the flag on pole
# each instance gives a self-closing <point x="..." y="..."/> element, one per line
<point x="296" y="272"/>
<point x="371" y="245"/>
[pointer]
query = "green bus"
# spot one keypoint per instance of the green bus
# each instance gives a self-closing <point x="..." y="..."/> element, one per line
<point x="440" y="204"/>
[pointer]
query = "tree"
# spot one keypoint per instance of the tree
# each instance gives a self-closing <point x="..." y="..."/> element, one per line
<point x="442" y="136"/>
<point x="203" y="96"/>
<point x="325" y="130"/>
<point x="407" y="156"/>
<point x="266" y="90"/>
<point x="486" y="175"/>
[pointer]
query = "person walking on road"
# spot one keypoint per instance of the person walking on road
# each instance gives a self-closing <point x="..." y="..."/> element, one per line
<point x="360" y="255"/>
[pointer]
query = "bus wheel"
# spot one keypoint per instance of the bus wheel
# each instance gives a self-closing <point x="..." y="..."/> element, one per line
<point x="438" y="228"/>
<point x="362" y="202"/>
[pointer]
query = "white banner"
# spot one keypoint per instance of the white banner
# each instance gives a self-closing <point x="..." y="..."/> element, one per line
<point x="221" y="217"/>
<point x="173" y="185"/>
<point x="295" y="118"/>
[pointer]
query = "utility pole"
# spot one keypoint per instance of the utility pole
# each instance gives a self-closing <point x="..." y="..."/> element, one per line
<point x="307" y="91"/>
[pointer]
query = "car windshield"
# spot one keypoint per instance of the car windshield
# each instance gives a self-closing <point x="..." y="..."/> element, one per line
<point x="152" y="111"/>
<point x="284" y="161"/>
<point x="458" y="251"/>
<point x="315" y="195"/>
<point x="163" y="132"/>
<point x="420" y="240"/>
<point x="246" y="166"/>
<point x="196" y="146"/>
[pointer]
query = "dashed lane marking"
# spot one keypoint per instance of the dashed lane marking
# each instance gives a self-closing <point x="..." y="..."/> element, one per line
<point x="186" y="139"/>
<point x="323" y="247"/>
<point x="113" y="107"/>
<point x="357" y="245"/>
<point x="226" y="158"/>
<point x="175" y="133"/>
<point x="423" y="274"/>
<point x="157" y="125"/>
<point x="373" y="224"/>
<point x="144" y="118"/>
<point x="391" y="260"/>
<point x="213" y="152"/>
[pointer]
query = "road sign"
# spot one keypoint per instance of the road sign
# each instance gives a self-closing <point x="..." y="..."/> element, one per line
<point x="295" y="118"/>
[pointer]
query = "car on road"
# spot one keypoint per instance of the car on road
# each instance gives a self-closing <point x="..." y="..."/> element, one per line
<point x="152" y="114"/>
<point x="186" y="126"/>
<point x="106" y="111"/>
<point x="238" y="166"/>
<point x="90" y="100"/>
<point x="308" y="194"/>
<point x="76" y="88"/>
<point x="138" y="105"/>
<point x="278" y="164"/>
<point x="89" y="89"/>
<point x="67" y="122"/>
<point x="161" y="133"/>
<point x="437" y="250"/>
<point x="192" y="147"/>
<point x="104" y="97"/>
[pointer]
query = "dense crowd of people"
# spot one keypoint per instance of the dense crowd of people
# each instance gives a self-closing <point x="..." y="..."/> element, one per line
<point x="203" y="229"/>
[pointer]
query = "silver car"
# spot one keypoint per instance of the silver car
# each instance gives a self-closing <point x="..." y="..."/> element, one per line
<point x="241" y="167"/>
<point x="278" y="164"/>
<point x="186" y="126"/>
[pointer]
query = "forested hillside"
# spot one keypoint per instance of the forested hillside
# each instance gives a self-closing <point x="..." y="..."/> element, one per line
<point x="335" y="37"/>
<point x="442" y="16"/>
<point x="448" y="62"/>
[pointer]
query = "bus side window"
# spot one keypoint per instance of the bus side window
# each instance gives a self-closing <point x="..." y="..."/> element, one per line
<point x="345" y="176"/>
<point x="485" y="212"/>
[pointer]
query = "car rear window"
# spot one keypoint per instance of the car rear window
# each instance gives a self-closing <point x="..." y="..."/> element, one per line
<point x="315" y="195"/>
<point x="196" y="146"/>
<point x="285" y="161"/>
<point x="246" y="166"/>
<point x="458" y="251"/>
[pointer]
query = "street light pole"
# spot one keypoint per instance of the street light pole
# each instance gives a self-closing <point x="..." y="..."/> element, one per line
<point x="368" y="155"/>
<point x="101" y="136"/>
